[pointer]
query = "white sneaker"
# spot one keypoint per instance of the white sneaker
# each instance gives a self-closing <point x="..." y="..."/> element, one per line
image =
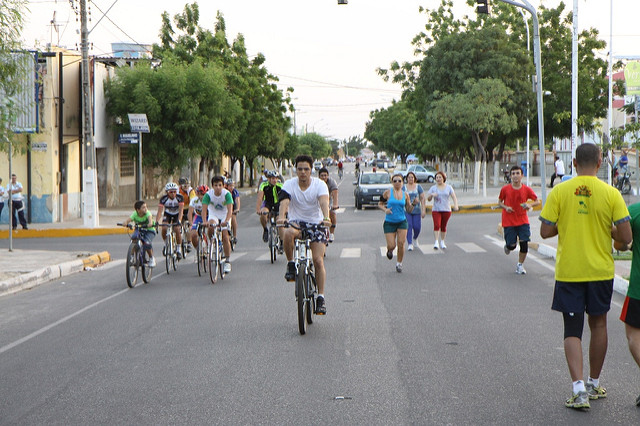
<point x="436" y="246"/>
<point x="331" y="237"/>
<point x="227" y="267"/>
<point x="443" y="245"/>
<point x="415" y="242"/>
<point x="410" y="248"/>
<point x="152" y="262"/>
<point x="520" y="269"/>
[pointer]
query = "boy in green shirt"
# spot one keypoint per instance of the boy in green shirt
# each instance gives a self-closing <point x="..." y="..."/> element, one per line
<point x="143" y="218"/>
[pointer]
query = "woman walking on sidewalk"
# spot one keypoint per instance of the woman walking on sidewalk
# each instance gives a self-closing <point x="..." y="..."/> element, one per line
<point x="441" y="213"/>
<point x="393" y="202"/>
<point x="414" y="218"/>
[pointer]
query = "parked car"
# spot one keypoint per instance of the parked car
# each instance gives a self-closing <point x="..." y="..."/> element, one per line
<point x="382" y="164"/>
<point x="369" y="188"/>
<point x="317" y="165"/>
<point x="423" y="173"/>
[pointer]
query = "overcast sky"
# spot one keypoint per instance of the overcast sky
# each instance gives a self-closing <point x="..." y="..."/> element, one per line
<point x="328" y="53"/>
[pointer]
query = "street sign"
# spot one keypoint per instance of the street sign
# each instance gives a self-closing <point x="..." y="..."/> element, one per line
<point x="128" y="138"/>
<point x="139" y="123"/>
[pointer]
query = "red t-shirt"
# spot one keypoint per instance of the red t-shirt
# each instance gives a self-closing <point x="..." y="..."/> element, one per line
<point x="514" y="198"/>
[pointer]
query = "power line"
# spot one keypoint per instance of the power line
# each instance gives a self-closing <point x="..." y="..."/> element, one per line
<point x="343" y="86"/>
<point x="123" y="31"/>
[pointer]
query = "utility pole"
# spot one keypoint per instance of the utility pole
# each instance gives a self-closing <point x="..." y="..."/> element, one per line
<point x="90" y="198"/>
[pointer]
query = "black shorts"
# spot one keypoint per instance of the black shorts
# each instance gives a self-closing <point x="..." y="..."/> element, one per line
<point x="631" y="312"/>
<point x="594" y="297"/>
<point x="513" y="233"/>
<point x="170" y="218"/>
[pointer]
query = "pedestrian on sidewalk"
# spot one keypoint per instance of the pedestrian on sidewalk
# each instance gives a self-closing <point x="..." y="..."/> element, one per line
<point x="585" y="213"/>
<point x="558" y="171"/>
<point x="516" y="199"/>
<point x="414" y="218"/>
<point x="630" y="314"/>
<point x="14" y="189"/>
<point x="441" y="212"/>
<point x="2" y="197"/>
<point x="394" y="202"/>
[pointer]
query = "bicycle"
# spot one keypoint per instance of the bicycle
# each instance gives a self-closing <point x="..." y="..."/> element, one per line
<point x="340" y="173"/>
<point x="137" y="258"/>
<point x="186" y="247"/>
<point x="202" y="250"/>
<point x="306" y="287"/>
<point x="216" y="254"/>
<point x="170" y="248"/>
<point x="274" y="238"/>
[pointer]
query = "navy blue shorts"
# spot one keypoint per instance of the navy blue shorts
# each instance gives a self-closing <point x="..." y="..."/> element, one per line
<point x="631" y="312"/>
<point x="594" y="297"/>
<point x="512" y="233"/>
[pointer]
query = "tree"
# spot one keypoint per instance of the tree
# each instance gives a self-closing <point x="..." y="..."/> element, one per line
<point x="482" y="108"/>
<point x="11" y="23"/>
<point x="394" y="130"/>
<point x="354" y="145"/>
<point x="315" y="145"/>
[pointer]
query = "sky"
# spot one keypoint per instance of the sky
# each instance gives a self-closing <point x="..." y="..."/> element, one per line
<point x="327" y="52"/>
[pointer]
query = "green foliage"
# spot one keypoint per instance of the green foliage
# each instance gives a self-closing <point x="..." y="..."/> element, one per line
<point x="354" y="145"/>
<point x="314" y="144"/>
<point x="394" y="130"/>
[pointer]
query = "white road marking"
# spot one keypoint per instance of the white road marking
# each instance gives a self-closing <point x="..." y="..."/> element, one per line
<point x="471" y="247"/>
<point x="265" y="256"/>
<point x="531" y="256"/>
<point x="348" y="253"/>
<point x="428" y="249"/>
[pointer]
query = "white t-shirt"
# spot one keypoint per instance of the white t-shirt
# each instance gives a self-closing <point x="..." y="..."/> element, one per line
<point x="559" y="167"/>
<point x="217" y="204"/>
<point x="18" y="195"/>
<point x="304" y="206"/>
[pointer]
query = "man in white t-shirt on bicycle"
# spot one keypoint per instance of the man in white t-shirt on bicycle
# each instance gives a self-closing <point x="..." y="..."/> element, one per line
<point x="217" y="207"/>
<point x="305" y="199"/>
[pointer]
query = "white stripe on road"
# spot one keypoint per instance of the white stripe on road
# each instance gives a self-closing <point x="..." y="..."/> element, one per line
<point x="348" y="253"/>
<point x="533" y="257"/>
<point x="471" y="247"/>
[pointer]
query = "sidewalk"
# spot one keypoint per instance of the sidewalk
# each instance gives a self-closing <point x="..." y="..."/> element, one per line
<point x="17" y="274"/>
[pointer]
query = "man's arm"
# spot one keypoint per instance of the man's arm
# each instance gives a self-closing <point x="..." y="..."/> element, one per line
<point x="284" y="209"/>
<point x="259" y="201"/>
<point x="229" y="213"/>
<point x="160" y="213"/>
<point x="324" y="206"/>
<point x="548" y="230"/>
<point x="334" y="194"/>
<point x="622" y="233"/>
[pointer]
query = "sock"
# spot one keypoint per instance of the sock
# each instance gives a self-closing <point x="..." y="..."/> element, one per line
<point x="519" y="264"/>
<point x="578" y="386"/>
<point x="595" y="382"/>
<point x="398" y="264"/>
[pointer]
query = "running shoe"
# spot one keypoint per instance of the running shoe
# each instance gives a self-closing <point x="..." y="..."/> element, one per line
<point x="389" y="254"/>
<point x="280" y="248"/>
<point x="331" y="238"/>
<point x="410" y="247"/>
<point x="265" y="235"/>
<point x="320" y="308"/>
<point x="595" y="392"/>
<point x="399" y="268"/>
<point x="578" y="400"/>
<point x="227" y="267"/>
<point x="436" y="246"/>
<point x="152" y="262"/>
<point x="520" y="269"/>
<point x="506" y="250"/>
<point x="178" y="253"/>
<point x="415" y="242"/>
<point x="443" y="246"/>
<point x="290" y="275"/>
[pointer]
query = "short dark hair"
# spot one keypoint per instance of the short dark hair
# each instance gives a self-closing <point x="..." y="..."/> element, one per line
<point x="323" y="170"/>
<point x="138" y="204"/>
<point x="516" y="168"/>
<point x="302" y="158"/>
<point x="217" y="178"/>
<point x="587" y="155"/>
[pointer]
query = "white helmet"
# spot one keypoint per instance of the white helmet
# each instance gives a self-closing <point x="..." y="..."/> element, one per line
<point x="171" y="186"/>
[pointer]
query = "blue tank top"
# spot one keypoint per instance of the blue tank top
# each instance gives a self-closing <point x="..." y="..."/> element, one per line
<point x="397" y="208"/>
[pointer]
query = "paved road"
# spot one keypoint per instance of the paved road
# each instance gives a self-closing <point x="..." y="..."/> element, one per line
<point x="457" y="338"/>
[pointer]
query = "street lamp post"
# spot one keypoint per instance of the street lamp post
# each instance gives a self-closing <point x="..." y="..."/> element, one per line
<point x="528" y="165"/>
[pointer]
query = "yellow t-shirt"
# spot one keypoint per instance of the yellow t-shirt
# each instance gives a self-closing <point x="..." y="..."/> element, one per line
<point x="584" y="208"/>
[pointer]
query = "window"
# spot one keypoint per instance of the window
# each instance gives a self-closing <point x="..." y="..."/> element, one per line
<point x="127" y="164"/>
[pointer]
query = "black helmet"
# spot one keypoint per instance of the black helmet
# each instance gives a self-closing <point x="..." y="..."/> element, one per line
<point x="183" y="181"/>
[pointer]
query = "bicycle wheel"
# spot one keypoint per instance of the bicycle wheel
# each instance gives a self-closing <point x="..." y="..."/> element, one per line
<point x="301" y="279"/>
<point x="132" y="265"/>
<point x="213" y="260"/>
<point x="174" y="255"/>
<point x="146" y="269"/>
<point x="311" y="300"/>
<point x="168" y="254"/>
<point x="220" y="262"/>
<point x="199" y="257"/>
<point x="273" y="243"/>
<point x="626" y="187"/>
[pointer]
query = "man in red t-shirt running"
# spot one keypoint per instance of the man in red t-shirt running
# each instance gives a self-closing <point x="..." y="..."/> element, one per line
<point x="515" y="200"/>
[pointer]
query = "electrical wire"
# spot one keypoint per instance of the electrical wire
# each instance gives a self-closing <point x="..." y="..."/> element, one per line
<point x="123" y="31"/>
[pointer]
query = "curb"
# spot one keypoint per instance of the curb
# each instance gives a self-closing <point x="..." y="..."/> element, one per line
<point x="63" y="232"/>
<point x="50" y="273"/>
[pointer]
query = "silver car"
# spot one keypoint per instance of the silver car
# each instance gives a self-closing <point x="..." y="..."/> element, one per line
<point x="369" y="188"/>
<point x="423" y="173"/>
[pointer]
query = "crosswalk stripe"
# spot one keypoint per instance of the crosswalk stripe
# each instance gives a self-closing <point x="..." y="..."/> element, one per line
<point x="471" y="247"/>
<point x="428" y="250"/>
<point x="264" y="256"/>
<point x="348" y="253"/>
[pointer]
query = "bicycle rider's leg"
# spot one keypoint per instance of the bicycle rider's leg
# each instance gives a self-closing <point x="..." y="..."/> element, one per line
<point x="234" y="226"/>
<point x="226" y="244"/>
<point x="317" y="251"/>
<point x="178" y="231"/>
<point x="334" y="221"/>
<point x="288" y="237"/>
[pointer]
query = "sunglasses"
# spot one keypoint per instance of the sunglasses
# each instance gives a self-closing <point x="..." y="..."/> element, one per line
<point x="397" y="180"/>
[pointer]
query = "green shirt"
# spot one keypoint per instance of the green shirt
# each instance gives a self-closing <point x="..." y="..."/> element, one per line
<point x="634" y="280"/>
<point x="145" y="221"/>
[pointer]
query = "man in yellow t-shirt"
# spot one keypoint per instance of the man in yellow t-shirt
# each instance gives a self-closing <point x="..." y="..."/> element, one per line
<point x="585" y="213"/>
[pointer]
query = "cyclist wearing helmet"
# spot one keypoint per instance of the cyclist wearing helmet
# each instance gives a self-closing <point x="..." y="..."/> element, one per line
<point x="230" y="186"/>
<point x="170" y="210"/>
<point x="187" y="193"/>
<point x="195" y="213"/>
<point x="323" y="174"/>
<point x="217" y="207"/>
<point x="268" y="200"/>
